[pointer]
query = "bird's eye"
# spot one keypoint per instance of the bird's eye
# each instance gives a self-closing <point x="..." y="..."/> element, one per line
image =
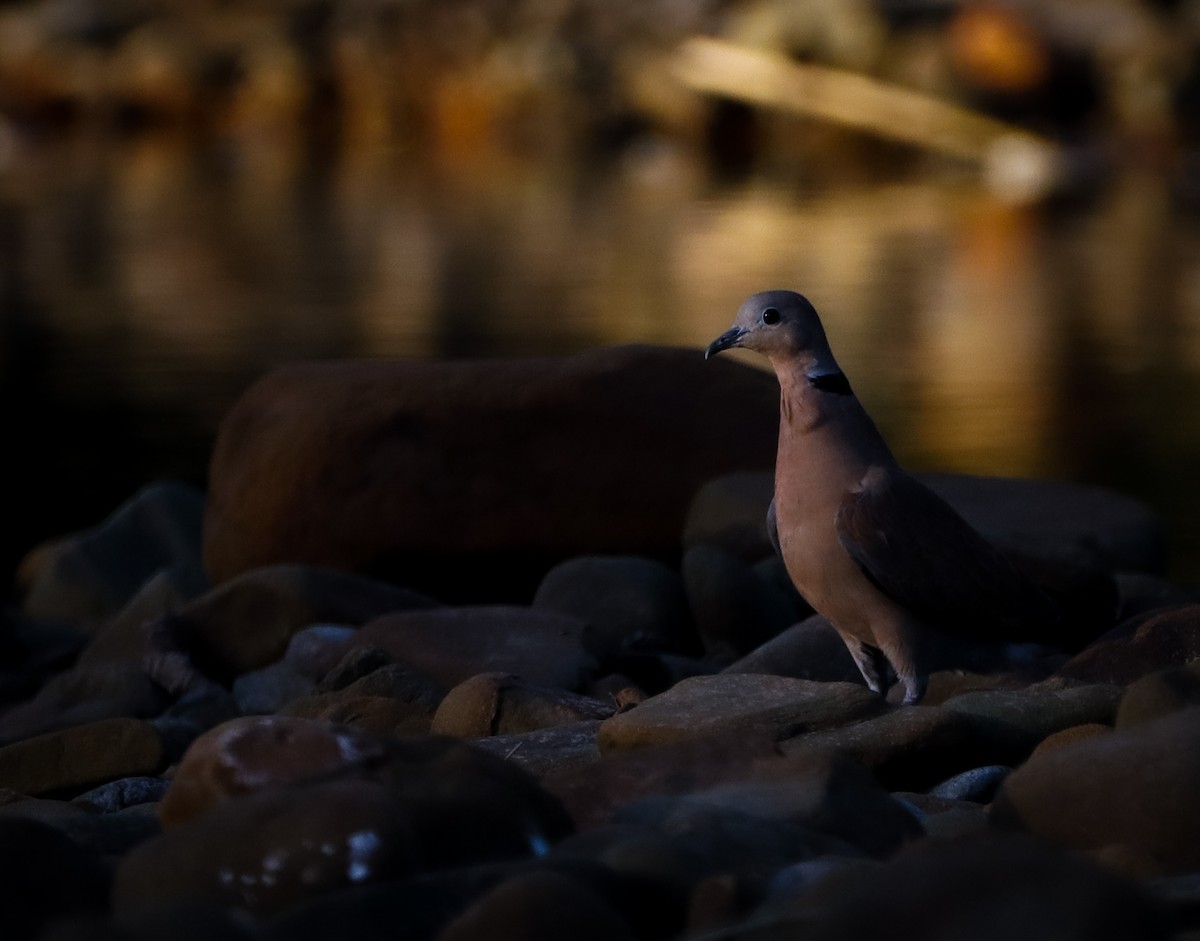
<point x="770" y="316"/>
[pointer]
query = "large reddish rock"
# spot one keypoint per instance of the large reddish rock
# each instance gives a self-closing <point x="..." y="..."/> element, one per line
<point x="1129" y="794"/>
<point x="1141" y="645"/>
<point x="399" y="468"/>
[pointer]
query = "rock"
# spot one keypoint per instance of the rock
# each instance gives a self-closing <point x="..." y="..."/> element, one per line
<point x="557" y="749"/>
<point x="734" y="609"/>
<point x="1128" y="789"/>
<point x="125" y="636"/>
<point x="470" y="479"/>
<point x="908" y="748"/>
<point x="820" y="792"/>
<point x="379" y="715"/>
<point x="391" y="700"/>
<point x="84" y="694"/>
<point x="1141" y="593"/>
<point x="1076" y="733"/>
<point x="248" y="622"/>
<point x="317" y="650"/>
<point x="1124" y="533"/>
<point x="730" y="513"/>
<point x="540" y="906"/>
<point x="503" y="704"/>
<point x="810" y="650"/>
<point x="46" y="876"/>
<point x="1153" y="641"/>
<point x="357" y="662"/>
<point x="108" y="834"/>
<point x="81" y="757"/>
<point x="255" y="753"/>
<point x="453" y="644"/>
<point x="125" y="792"/>
<point x="1159" y="694"/>
<point x="701" y="705"/>
<point x="269" y="850"/>
<point x="1014" y="722"/>
<point x="977" y="785"/>
<point x="264" y="691"/>
<point x="187" y="921"/>
<point x="627" y="602"/>
<point x="980" y="889"/>
<point x="90" y="576"/>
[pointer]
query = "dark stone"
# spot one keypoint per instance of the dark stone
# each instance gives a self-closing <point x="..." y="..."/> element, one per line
<point x="248" y="622"/>
<point x="730" y="513"/>
<point x="470" y="479"/>
<point x="977" y="785"/>
<point x="91" y="576"/>
<point x="627" y="602"/>
<point x="704" y="705"/>
<point x="503" y="704"/>
<point x="810" y="650"/>
<point x="451" y="645"/>
<point x="1153" y="641"/>
<point x="117" y="795"/>
<point x="1129" y="790"/>
<point x="556" y="749"/>
<point x="46" y="876"/>
<point x="734" y="609"/>
<point x="1158" y="694"/>
<point x="72" y="760"/>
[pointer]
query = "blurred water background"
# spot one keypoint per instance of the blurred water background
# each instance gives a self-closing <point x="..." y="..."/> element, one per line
<point x="192" y="193"/>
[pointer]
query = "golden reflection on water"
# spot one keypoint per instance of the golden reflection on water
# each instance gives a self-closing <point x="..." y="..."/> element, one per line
<point x="984" y="337"/>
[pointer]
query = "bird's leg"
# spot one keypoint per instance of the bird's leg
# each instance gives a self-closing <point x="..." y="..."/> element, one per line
<point x="898" y="643"/>
<point x="871" y="663"/>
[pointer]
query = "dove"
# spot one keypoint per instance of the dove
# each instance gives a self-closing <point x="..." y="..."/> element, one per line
<point x="908" y="584"/>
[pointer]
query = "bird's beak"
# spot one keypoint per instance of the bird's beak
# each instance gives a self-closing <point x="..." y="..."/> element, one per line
<point x="727" y="340"/>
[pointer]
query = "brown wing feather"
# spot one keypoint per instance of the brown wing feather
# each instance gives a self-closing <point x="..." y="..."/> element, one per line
<point x="917" y="550"/>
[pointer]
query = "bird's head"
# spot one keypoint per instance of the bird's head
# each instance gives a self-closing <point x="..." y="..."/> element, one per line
<point x="781" y="325"/>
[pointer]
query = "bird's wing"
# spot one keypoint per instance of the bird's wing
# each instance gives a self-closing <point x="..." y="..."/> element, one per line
<point x="918" y="551"/>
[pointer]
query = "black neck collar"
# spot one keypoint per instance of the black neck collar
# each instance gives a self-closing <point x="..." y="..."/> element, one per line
<point x="835" y="382"/>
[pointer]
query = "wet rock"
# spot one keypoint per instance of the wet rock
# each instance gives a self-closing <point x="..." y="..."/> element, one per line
<point x="90" y="576"/>
<point x="256" y="753"/>
<point x="627" y="602"/>
<point x="537" y="906"/>
<point x="780" y="706"/>
<point x="503" y="704"/>
<point x="1159" y="694"/>
<point x="81" y="757"/>
<point x="470" y="479"/>
<point x="117" y="795"/>
<point x="269" y="850"/>
<point x="810" y="650"/>
<point x="734" y="609"/>
<point x="46" y="876"/>
<point x="557" y="749"/>
<point x="977" y="785"/>
<point x="1153" y="641"/>
<point x="730" y="513"/>
<point x="84" y="694"/>
<point x="453" y="644"/>
<point x="1124" y="790"/>
<point x="248" y="622"/>
<point x="974" y="890"/>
